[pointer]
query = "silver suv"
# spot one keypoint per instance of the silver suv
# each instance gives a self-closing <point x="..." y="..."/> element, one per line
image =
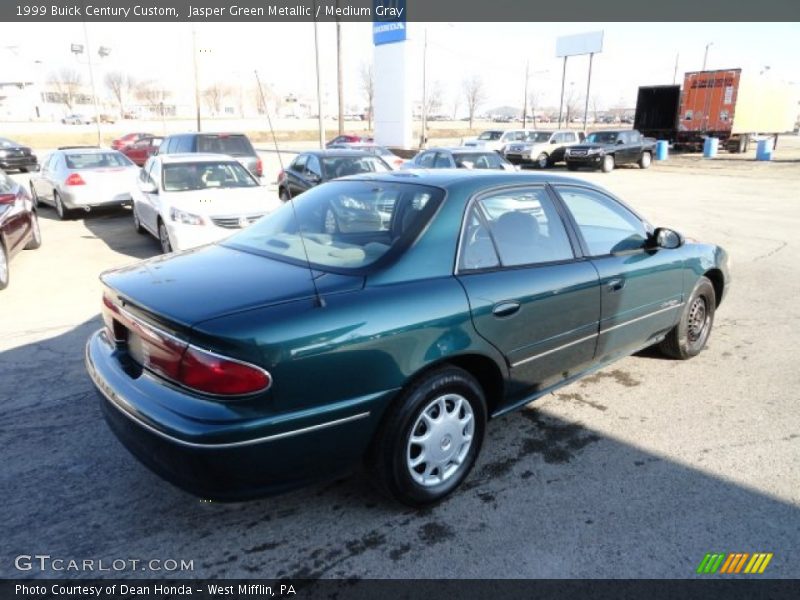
<point x="542" y="148"/>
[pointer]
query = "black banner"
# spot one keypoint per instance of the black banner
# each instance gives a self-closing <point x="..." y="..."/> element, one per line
<point x="371" y="589"/>
<point x="412" y="10"/>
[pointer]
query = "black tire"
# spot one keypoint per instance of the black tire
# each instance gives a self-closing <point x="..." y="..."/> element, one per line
<point x="283" y="194"/>
<point x="389" y="458"/>
<point x="645" y="160"/>
<point x="163" y="238"/>
<point x="571" y="167"/>
<point x="4" y="272"/>
<point x="542" y="161"/>
<point x="62" y="211"/>
<point x="688" y="338"/>
<point x="35" y="241"/>
<point x="34" y="196"/>
<point x="608" y="163"/>
<point x="137" y="224"/>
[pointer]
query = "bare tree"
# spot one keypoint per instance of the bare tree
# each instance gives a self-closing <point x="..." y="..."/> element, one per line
<point x="368" y="88"/>
<point x="68" y="83"/>
<point x="474" y="94"/>
<point x="215" y="95"/>
<point x="153" y="95"/>
<point x="433" y="100"/>
<point x="595" y="104"/>
<point x="572" y="103"/>
<point x="534" y="103"/>
<point x="120" y="85"/>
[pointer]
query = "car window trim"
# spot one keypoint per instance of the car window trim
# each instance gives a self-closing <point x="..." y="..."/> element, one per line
<point x="577" y="255"/>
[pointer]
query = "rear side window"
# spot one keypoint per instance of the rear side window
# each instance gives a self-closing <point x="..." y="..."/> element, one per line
<point x="233" y="145"/>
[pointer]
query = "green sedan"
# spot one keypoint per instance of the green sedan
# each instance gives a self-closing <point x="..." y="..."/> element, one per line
<point x="386" y="318"/>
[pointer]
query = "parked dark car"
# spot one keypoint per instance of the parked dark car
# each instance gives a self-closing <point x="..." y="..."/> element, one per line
<point x="128" y="139"/>
<point x="14" y="155"/>
<point x="608" y="149"/>
<point x="236" y="145"/>
<point x="309" y="169"/>
<point x="306" y="348"/>
<point x="142" y="149"/>
<point x="463" y="157"/>
<point x="19" y="224"/>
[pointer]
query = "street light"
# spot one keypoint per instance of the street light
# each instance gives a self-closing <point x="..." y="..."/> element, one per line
<point x="705" y="56"/>
<point x="104" y="51"/>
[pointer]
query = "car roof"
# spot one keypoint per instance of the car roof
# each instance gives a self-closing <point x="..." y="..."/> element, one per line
<point x="86" y="150"/>
<point x="194" y="157"/>
<point x="334" y="152"/>
<point x="461" y="150"/>
<point x="450" y="177"/>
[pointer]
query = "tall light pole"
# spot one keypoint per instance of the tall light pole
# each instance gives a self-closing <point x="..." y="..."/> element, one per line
<point x="319" y="83"/>
<point x="705" y="56"/>
<point x="588" y="87"/>
<point x="339" y="84"/>
<point x="196" y="77"/>
<point x="525" y="99"/>
<point x="91" y="81"/>
<point x="675" y="73"/>
<point x="561" y="102"/>
<point x="423" y="133"/>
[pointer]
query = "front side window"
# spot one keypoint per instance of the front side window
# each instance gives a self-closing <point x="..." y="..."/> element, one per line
<point x="606" y="225"/>
<point x="490" y="136"/>
<point x="343" y="225"/>
<point x="602" y="137"/>
<point x="299" y="164"/>
<point x="312" y="167"/>
<point x="514" y="227"/>
<point x="442" y="161"/>
<point x="185" y="177"/>
<point x="426" y="160"/>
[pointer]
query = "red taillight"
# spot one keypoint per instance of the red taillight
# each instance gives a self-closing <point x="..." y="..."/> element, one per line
<point x="220" y="376"/>
<point x="259" y="167"/>
<point x="281" y="175"/>
<point x="398" y="162"/>
<point x="75" y="179"/>
<point x="7" y="198"/>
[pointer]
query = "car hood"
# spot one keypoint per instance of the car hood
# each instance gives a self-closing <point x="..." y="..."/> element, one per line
<point x="213" y="281"/>
<point x="218" y="202"/>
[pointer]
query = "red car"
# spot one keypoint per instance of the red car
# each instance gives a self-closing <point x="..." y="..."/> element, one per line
<point x="348" y="138"/>
<point x="127" y="140"/>
<point x="142" y="149"/>
<point x="19" y="225"/>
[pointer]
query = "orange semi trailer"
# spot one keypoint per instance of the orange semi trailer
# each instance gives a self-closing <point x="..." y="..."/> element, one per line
<point x="731" y="106"/>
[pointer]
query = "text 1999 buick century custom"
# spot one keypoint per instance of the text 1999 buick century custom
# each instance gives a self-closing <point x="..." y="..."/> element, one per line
<point x="438" y="300"/>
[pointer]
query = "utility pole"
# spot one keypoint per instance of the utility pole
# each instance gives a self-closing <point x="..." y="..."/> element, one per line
<point x="423" y="133"/>
<point x="339" y="84"/>
<point x="588" y="87"/>
<point x="91" y="81"/>
<point x="675" y="73"/>
<point x="561" y="103"/>
<point x="705" y="56"/>
<point x="525" y="99"/>
<point x="319" y="84"/>
<point x="196" y="79"/>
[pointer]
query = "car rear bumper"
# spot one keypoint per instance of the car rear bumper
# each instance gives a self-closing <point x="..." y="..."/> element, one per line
<point x="226" y="454"/>
<point x="88" y="199"/>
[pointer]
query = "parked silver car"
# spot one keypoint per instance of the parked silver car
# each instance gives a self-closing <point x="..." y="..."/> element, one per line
<point x="542" y="148"/>
<point x="84" y="178"/>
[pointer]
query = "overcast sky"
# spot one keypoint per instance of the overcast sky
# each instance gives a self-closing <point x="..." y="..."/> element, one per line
<point x="633" y="54"/>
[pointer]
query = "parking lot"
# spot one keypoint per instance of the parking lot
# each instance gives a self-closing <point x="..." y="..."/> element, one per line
<point x="636" y="471"/>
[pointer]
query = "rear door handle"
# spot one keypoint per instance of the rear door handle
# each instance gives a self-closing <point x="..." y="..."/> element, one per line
<point x="505" y="309"/>
<point x="615" y="285"/>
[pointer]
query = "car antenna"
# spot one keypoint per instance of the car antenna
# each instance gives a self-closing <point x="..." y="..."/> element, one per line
<point x="319" y="300"/>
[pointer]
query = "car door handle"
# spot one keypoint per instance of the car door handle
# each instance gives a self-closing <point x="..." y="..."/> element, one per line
<point x="615" y="285"/>
<point x="505" y="309"/>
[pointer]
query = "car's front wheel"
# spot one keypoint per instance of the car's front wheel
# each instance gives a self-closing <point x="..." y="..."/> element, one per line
<point x="3" y="267"/>
<point x="284" y="195"/>
<point x="645" y="160"/>
<point x="689" y="336"/>
<point x="163" y="238"/>
<point x="430" y="438"/>
<point x="137" y="224"/>
<point x="543" y="161"/>
<point x="608" y="163"/>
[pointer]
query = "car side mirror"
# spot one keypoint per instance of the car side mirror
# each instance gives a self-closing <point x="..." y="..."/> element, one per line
<point x="313" y="177"/>
<point x="148" y="187"/>
<point x="667" y="238"/>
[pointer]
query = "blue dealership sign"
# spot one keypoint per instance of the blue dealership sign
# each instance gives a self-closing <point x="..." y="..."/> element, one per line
<point x="389" y="21"/>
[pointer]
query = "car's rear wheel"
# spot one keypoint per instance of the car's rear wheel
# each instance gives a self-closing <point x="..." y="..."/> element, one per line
<point x="645" y="160"/>
<point x="608" y="163"/>
<point x="61" y="210"/>
<point x="284" y="195"/>
<point x="36" y="234"/>
<point x="430" y="438"/>
<point x="4" y="276"/>
<point x="137" y="224"/>
<point x="543" y="161"/>
<point x="163" y="238"/>
<point x="689" y="336"/>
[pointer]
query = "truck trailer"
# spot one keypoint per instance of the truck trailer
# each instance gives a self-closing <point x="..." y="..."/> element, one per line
<point x="724" y="104"/>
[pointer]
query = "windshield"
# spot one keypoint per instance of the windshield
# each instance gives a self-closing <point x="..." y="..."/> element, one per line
<point x="184" y="177"/>
<point x="344" y="224"/>
<point x="490" y="135"/>
<point x="232" y="145"/>
<point x="540" y="137"/>
<point x="96" y="160"/>
<point x="602" y="137"/>
<point x="334" y="167"/>
<point x="478" y="160"/>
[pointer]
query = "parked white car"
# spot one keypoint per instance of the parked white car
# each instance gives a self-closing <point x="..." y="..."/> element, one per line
<point x="496" y="139"/>
<point x="188" y="200"/>
<point x="543" y="148"/>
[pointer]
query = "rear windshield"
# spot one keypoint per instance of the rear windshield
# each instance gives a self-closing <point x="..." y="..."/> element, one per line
<point x="334" y="167"/>
<point x="186" y="177"/>
<point x="232" y="145"/>
<point x="343" y="225"/>
<point x="96" y="160"/>
<point x="478" y="160"/>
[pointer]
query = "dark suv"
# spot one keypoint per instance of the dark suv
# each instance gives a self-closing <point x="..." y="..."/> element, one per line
<point x="236" y="145"/>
